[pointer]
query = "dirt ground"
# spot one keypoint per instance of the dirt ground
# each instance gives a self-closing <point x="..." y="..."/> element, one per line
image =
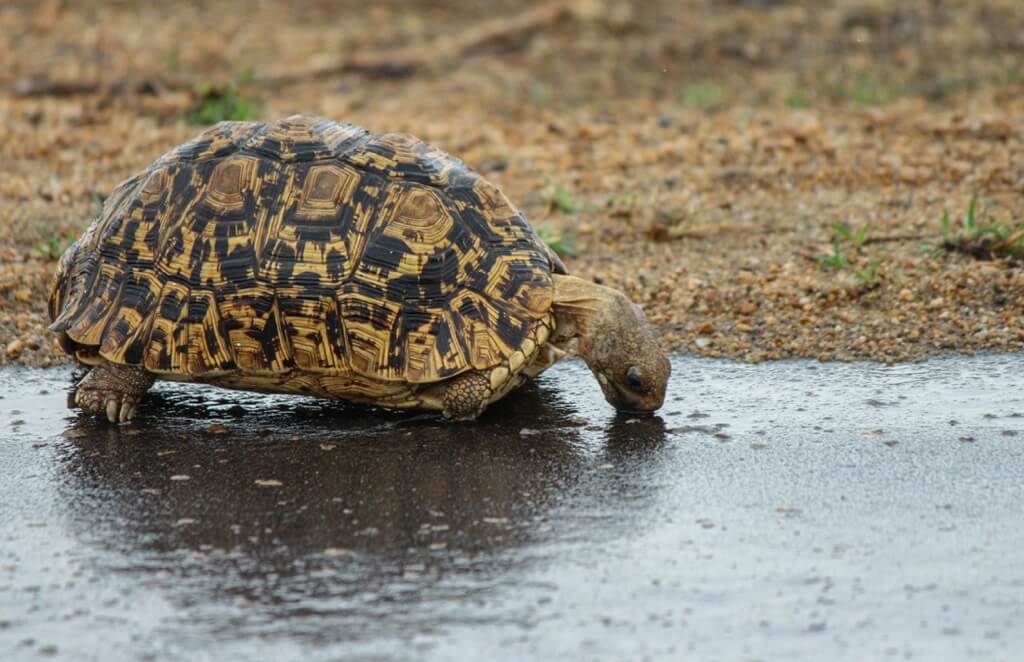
<point x="697" y="154"/>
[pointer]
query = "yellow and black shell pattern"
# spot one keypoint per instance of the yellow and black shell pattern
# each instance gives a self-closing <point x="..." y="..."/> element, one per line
<point x="307" y="245"/>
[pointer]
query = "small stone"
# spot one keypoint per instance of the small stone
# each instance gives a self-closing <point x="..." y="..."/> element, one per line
<point x="217" y="428"/>
<point x="748" y="308"/>
<point x="14" y="349"/>
<point x="706" y="328"/>
<point x="23" y="295"/>
<point x="328" y="447"/>
<point x="268" y="482"/>
<point x="180" y="477"/>
<point x="906" y="295"/>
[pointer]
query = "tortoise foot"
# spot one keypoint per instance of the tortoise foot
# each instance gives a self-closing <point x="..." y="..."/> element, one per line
<point x="113" y="392"/>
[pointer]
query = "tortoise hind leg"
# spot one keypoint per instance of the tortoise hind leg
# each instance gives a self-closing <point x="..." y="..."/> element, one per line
<point x="113" y="391"/>
<point x="467" y="395"/>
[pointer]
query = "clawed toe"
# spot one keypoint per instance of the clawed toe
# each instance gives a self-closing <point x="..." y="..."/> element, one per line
<point x="112" y="392"/>
<point x="115" y="407"/>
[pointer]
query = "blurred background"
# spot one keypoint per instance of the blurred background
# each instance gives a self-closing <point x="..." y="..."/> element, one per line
<point x="768" y="177"/>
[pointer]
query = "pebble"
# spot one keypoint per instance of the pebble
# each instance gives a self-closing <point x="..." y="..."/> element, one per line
<point x="14" y="349"/>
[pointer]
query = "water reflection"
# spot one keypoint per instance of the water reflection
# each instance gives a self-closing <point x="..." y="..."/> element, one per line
<point x="635" y="435"/>
<point x="311" y="506"/>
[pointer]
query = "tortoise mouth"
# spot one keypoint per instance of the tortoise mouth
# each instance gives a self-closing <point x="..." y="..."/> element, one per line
<point x="628" y="402"/>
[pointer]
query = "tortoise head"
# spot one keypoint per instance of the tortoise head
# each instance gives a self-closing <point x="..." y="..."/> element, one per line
<point x="617" y="342"/>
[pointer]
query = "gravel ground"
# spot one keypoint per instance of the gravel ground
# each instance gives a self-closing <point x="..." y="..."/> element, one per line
<point x="696" y="154"/>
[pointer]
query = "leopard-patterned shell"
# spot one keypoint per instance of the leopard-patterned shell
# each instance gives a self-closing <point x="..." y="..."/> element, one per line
<point x="308" y="245"/>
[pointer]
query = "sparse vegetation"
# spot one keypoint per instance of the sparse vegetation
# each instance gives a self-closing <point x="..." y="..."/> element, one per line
<point x="540" y="96"/>
<point x="798" y="100"/>
<point x="97" y="200"/>
<point x="173" y="58"/>
<point x="53" y="247"/>
<point x="867" y="274"/>
<point x="869" y="91"/>
<point x="837" y="261"/>
<point x="855" y="237"/>
<point x="864" y="90"/>
<point x="218" y="104"/>
<point x="563" y="199"/>
<point x="561" y="244"/>
<point x="985" y="241"/>
<point x="704" y="95"/>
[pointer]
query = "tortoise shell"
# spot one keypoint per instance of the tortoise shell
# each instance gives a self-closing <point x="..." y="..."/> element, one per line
<point x="304" y="244"/>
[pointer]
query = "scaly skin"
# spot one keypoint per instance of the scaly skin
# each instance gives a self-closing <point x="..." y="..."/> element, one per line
<point x="113" y="391"/>
<point x="466" y="396"/>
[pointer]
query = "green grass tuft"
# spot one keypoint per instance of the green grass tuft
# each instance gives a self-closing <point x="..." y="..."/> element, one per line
<point x="563" y="200"/>
<point x="857" y="238"/>
<point x="53" y="247"/>
<point x="985" y="241"/>
<point x="798" y="100"/>
<point x="704" y="95"/>
<point x="228" y="103"/>
<point x="867" y="274"/>
<point x="837" y="261"/>
<point x="561" y="244"/>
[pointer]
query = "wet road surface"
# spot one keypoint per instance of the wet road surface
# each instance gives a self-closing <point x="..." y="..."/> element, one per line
<point x="780" y="511"/>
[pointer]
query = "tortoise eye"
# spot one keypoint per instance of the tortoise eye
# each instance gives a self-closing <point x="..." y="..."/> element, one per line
<point x="634" y="379"/>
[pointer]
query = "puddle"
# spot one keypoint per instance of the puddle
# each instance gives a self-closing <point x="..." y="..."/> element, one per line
<point x="789" y="511"/>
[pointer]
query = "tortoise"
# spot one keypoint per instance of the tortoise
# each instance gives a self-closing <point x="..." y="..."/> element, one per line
<point x="309" y="256"/>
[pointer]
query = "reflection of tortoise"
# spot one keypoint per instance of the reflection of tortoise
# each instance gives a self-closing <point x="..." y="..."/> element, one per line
<point x="308" y="256"/>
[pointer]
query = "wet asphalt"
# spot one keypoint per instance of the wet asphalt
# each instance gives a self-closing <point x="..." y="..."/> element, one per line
<point x="785" y="511"/>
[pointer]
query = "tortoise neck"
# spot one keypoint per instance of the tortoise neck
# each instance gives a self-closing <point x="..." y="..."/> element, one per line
<point x="579" y="305"/>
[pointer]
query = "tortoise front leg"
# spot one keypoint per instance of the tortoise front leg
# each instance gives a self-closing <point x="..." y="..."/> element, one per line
<point x="113" y="391"/>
